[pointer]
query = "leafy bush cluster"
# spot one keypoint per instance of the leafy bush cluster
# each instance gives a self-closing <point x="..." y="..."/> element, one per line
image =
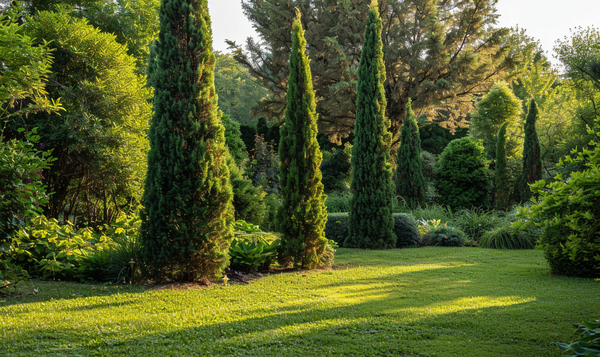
<point x="48" y="249"/>
<point x="462" y="179"/>
<point x="445" y="236"/>
<point x="567" y="211"/>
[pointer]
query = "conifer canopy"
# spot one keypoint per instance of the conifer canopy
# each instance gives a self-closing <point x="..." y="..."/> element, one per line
<point x="410" y="183"/>
<point x="302" y="215"/>
<point x="187" y="216"/>
<point x="501" y="171"/>
<point x="532" y="161"/>
<point x="371" y="222"/>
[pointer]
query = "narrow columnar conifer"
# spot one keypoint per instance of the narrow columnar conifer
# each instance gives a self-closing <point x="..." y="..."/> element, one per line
<point x="371" y="222"/>
<point x="302" y="215"/>
<point x="410" y="183"/>
<point x="187" y="216"/>
<point x="532" y="160"/>
<point x="501" y="171"/>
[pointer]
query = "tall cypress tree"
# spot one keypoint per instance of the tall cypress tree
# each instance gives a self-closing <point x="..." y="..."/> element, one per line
<point x="186" y="222"/>
<point x="532" y="160"/>
<point x="410" y="183"/>
<point x="302" y="215"/>
<point x="501" y="172"/>
<point x="371" y="222"/>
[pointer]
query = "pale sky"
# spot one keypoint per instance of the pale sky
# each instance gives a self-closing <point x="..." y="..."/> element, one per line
<point x="544" y="20"/>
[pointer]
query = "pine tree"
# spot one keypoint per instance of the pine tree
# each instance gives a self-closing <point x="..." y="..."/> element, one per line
<point x="532" y="161"/>
<point x="371" y="222"/>
<point x="410" y="183"/>
<point x="186" y="223"/>
<point x="302" y="215"/>
<point x="501" y="172"/>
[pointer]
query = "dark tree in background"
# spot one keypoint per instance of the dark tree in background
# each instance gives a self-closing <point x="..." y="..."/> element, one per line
<point x="371" y="222"/>
<point x="501" y="171"/>
<point x="302" y="215"/>
<point x="532" y="162"/>
<point x="186" y="223"/>
<point x="410" y="183"/>
<point x="438" y="53"/>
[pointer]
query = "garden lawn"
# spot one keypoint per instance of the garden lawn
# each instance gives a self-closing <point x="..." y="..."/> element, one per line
<point x="411" y="302"/>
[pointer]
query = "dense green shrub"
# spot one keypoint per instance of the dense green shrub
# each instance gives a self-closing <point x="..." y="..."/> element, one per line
<point x="336" y="171"/>
<point x="338" y="202"/>
<point x="336" y="228"/>
<point x="434" y="138"/>
<point x="475" y="222"/>
<point x="407" y="231"/>
<point x="461" y="179"/>
<point x="47" y="249"/>
<point x="264" y="168"/>
<point x="445" y="236"/>
<point x="405" y="228"/>
<point x="567" y="210"/>
<point x="428" y="164"/>
<point x="272" y="204"/>
<point x="248" y="200"/>
<point x="507" y="237"/>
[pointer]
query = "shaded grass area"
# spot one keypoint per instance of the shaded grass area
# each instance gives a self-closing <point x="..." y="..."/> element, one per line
<point x="415" y="302"/>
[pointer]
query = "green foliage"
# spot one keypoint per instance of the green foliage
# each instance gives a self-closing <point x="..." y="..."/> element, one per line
<point x="462" y="180"/>
<point x="100" y="140"/>
<point x="499" y="106"/>
<point x="233" y="139"/>
<point x="252" y="250"/>
<point x="410" y="183"/>
<point x="22" y="195"/>
<point x="338" y="202"/>
<point x="264" y="169"/>
<point x="336" y="171"/>
<point x="238" y="93"/>
<point x="426" y="226"/>
<point x="445" y="236"/>
<point x="428" y="164"/>
<point x="302" y="215"/>
<point x="588" y="343"/>
<point x="475" y="222"/>
<point x="567" y="211"/>
<point x="434" y="138"/>
<point x="406" y="230"/>
<point x="133" y="23"/>
<point x="501" y="172"/>
<point x="248" y="200"/>
<point x="454" y="47"/>
<point x="371" y="221"/>
<point x="24" y="71"/>
<point x="336" y="228"/>
<point x="532" y="160"/>
<point x="188" y="211"/>
<point x="507" y="237"/>
<point x="48" y="249"/>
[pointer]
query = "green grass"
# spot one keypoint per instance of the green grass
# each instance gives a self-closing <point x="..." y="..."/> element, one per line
<point x="413" y="302"/>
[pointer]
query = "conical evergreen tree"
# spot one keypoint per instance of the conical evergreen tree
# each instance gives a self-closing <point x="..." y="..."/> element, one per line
<point x="302" y="215"/>
<point x="410" y="183"/>
<point x="501" y="171"/>
<point x="186" y="222"/>
<point x="532" y="160"/>
<point x="371" y="221"/>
